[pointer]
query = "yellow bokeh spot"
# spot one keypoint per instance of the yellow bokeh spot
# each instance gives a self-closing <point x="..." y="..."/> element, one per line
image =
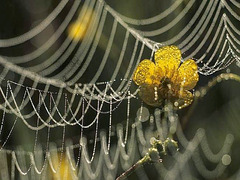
<point x="63" y="167"/>
<point x="77" y="30"/>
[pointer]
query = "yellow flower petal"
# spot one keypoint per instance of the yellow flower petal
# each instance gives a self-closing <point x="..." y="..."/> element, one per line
<point x="184" y="99"/>
<point x="150" y="95"/>
<point x="147" y="73"/>
<point x="187" y="76"/>
<point x="168" y="58"/>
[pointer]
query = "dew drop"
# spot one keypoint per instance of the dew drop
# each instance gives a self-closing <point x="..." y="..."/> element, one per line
<point x="226" y="159"/>
<point x="176" y="104"/>
<point x="143" y="113"/>
<point x="228" y="70"/>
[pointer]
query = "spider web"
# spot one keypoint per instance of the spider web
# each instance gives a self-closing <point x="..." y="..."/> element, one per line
<point x="61" y="84"/>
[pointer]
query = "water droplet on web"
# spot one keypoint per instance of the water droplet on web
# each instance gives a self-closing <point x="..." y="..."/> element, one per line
<point x="228" y="70"/>
<point x="203" y="92"/>
<point x="226" y="159"/>
<point x="176" y="103"/>
<point x="197" y="93"/>
<point x="143" y="114"/>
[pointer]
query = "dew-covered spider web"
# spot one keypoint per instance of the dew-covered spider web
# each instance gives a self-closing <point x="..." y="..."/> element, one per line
<point x="69" y="108"/>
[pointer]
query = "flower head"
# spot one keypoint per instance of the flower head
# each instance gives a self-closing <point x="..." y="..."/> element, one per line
<point x="166" y="79"/>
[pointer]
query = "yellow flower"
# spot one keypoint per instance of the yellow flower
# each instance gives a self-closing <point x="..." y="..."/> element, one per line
<point x="166" y="79"/>
<point x="78" y="29"/>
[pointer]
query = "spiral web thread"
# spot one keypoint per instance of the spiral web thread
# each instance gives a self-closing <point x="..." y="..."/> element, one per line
<point x="43" y="88"/>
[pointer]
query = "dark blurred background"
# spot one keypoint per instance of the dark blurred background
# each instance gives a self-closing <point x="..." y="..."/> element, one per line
<point x="218" y="112"/>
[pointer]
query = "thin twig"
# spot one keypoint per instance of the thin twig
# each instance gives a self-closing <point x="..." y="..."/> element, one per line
<point x="130" y="170"/>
